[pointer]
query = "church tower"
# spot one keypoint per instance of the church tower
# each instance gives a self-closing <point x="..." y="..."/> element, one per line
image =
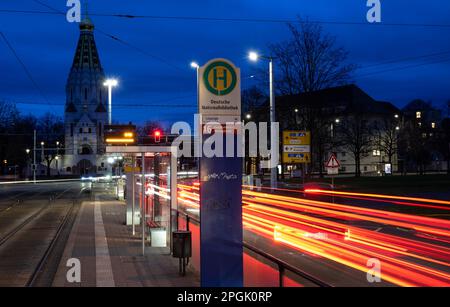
<point x="86" y="108"/>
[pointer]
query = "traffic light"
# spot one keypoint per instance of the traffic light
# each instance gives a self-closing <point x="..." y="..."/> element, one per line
<point x="157" y="135"/>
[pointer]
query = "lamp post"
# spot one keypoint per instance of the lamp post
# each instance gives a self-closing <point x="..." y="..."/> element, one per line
<point x="42" y="152"/>
<point x="110" y="83"/>
<point x="34" y="156"/>
<point x="196" y="66"/>
<point x="253" y="56"/>
<point x="197" y="149"/>
<point x="57" y="157"/>
<point x="28" y="161"/>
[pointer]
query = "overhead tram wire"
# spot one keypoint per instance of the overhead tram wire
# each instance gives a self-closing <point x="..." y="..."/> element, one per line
<point x="403" y="68"/>
<point x="240" y="20"/>
<point x="397" y="61"/>
<point x="25" y="69"/>
<point x="117" y="39"/>
<point x="140" y="105"/>
<point x="405" y="59"/>
<point x="159" y="104"/>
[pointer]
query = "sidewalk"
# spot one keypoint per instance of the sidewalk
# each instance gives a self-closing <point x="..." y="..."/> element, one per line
<point x="110" y="256"/>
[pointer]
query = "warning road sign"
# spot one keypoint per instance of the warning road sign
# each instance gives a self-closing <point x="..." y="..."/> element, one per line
<point x="333" y="162"/>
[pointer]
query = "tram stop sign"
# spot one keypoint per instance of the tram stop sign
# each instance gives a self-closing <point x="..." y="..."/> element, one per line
<point x="221" y="249"/>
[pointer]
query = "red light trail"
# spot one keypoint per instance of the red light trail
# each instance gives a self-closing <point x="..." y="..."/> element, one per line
<point x="416" y="255"/>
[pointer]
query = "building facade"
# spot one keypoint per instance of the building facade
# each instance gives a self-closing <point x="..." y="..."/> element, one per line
<point x="342" y="120"/>
<point x="86" y="111"/>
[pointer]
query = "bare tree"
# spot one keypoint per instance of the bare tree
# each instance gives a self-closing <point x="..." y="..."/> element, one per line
<point x="50" y="130"/>
<point x="309" y="60"/>
<point x="387" y="138"/>
<point x="8" y="115"/>
<point x="442" y="141"/>
<point x="252" y="99"/>
<point x="356" y="137"/>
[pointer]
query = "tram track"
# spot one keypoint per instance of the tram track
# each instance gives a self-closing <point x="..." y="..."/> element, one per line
<point x="38" y="241"/>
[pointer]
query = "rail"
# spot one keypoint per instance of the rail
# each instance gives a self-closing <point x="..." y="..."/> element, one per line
<point x="281" y="265"/>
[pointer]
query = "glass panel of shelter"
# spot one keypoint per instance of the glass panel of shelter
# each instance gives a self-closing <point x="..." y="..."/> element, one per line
<point x="157" y="198"/>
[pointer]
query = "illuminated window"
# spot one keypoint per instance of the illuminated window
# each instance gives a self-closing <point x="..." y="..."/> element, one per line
<point x="376" y="153"/>
<point x="433" y="125"/>
<point x="418" y="114"/>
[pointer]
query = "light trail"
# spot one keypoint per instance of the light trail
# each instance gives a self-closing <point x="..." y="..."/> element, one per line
<point x="343" y="234"/>
<point x="415" y="199"/>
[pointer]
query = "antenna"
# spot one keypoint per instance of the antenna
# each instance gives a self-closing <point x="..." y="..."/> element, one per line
<point x="86" y="12"/>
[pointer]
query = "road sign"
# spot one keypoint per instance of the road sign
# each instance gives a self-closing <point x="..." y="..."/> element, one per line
<point x="131" y="169"/>
<point x="220" y="179"/>
<point x="220" y="92"/>
<point x="332" y="171"/>
<point x="333" y="162"/>
<point x="296" y="147"/>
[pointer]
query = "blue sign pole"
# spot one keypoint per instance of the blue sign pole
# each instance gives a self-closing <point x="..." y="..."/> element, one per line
<point x="221" y="221"/>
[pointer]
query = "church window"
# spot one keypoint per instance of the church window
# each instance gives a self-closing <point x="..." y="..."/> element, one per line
<point x="90" y="130"/>
<point x="85" y="93"/>
<point x="81" y="130"/>
<point x="85" y="150"/>
<point x="71" y="129"/>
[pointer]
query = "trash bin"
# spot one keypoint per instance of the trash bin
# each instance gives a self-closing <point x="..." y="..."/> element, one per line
<point x="182" y="248"/>
<point x="182" y="244"/>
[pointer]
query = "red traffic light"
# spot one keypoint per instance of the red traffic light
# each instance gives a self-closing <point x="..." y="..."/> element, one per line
<point x="157" y="135"/>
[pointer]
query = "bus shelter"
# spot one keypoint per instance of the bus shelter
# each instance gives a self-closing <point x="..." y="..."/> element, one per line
<point x="151" y="193"/>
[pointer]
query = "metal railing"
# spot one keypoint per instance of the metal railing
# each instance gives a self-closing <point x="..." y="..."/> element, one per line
<point x="282" y="266"/>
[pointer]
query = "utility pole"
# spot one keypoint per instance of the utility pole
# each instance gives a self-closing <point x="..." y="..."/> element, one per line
<point x="133" y="176"/>
<point x="143" y="218"/>
<point x="34" y="157"/>
<point x="273" y="168"/>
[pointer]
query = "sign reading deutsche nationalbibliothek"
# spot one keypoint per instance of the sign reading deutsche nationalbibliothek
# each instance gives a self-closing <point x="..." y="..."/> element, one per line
<point x="296" y="147"/>
<point x="220" y="92"/>
<point x="221" y="258"/>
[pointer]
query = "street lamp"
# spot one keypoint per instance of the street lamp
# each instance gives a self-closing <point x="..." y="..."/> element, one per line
<point x="248" y="116"/>
<point x="253" y="56"/>
<point x="110" y="83"/>
<point x="42" y="151"/>
<point x="27" y="151"/>
<point x="196" y="66"/>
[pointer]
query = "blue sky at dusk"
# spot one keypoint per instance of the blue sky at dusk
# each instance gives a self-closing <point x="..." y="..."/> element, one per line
<point x="160" y="74"/>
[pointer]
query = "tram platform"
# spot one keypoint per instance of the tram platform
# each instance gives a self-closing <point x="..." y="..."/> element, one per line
<point x="110" y="256"/>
